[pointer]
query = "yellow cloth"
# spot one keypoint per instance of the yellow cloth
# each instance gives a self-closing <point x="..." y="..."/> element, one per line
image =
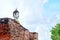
<point x="19" y="21"/>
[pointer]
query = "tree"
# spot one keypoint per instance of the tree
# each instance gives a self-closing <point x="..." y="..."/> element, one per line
<point x="55" y="32"/>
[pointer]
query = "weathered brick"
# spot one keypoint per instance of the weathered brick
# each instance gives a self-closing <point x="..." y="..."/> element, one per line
<point x="12" y="30"/>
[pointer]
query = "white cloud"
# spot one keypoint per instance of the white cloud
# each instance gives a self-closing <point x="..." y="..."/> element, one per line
<point x="58" y="16"/>
<point x="45" y="1"/>
<point x="32" y="10"/>
<point x="43" y="32"/>
<point x="5" y="8"/>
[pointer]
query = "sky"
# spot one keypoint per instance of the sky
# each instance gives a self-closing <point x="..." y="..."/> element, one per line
<point x="36" y="15"/>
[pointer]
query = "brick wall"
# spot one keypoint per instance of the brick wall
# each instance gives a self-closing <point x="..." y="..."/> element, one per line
<point x="11" y="30"/>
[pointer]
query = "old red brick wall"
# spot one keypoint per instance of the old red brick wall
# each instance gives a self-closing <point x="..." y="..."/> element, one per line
<point x="33" y="36"/>
<point x="4" y="32"/>
<point x="11" y="30"/>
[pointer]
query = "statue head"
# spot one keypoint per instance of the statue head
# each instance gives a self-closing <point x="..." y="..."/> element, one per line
<point x="16" y="14"/>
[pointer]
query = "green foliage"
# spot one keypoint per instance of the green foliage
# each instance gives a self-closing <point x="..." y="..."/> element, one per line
<point x="55" y="32"/>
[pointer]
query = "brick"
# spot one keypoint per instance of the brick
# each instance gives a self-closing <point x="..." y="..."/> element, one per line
<point x="12" y="30"/>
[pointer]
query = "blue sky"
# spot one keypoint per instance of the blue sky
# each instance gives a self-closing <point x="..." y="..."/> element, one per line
<point x="36" y="15"/>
